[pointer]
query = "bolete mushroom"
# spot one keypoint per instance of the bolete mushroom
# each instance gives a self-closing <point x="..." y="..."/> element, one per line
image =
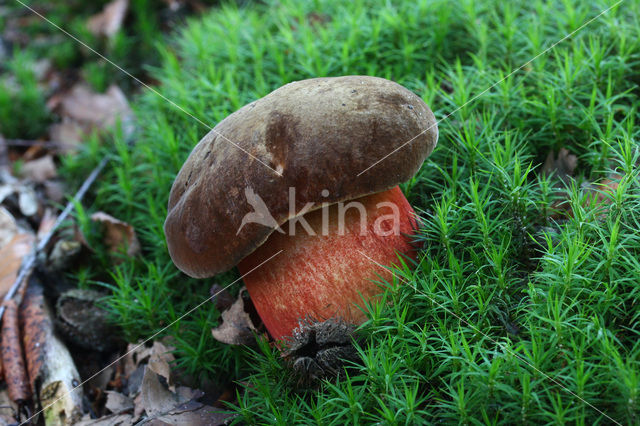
<point x="284" y="173"/>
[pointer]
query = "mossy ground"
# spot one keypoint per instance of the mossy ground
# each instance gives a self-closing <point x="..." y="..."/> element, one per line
<point x="512" y="315"/>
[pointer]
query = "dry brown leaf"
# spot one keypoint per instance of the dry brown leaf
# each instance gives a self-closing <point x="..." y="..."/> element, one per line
<point x="11" y="258"/>
<point x="600" y="192"/>
<point x="160" y="360"/>
<point x="47" y="222"/>
<point x="562" y="166"/>
<point x="39" y="170"/>
<point x="15" y="372"/>
<point x="7" y="409"/>
<point x="165" y="407"/>
<point x="28" y="201"/>
<point x="112" y="420"/>
<point x="109" y="21"/>
<point x="90" y="109"/>
<point x="194" y="413"/>
<point x="68" y="133"/>
<point x="119" y="236"/>
<point x="8" y="227"/>
<point x="237" y="328"/>
<point x="156" y="398"/>
<point x="118" y="403"/>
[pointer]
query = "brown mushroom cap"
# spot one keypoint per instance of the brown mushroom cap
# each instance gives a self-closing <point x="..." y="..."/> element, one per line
<point x="319" y="134"/>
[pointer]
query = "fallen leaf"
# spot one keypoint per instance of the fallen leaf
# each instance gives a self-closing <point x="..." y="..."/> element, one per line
<point x="112" y="420"/>
<point x="28" y="201"/>
<point x="54" y="191"/>
<point x="237" y="328"/>
<point x="196" y="414"/>
<point x="11" y="258"/>
<point x="68" y="133"/>
<point x="157" y="399"/>
<point x="165" y="407"/>
<point x="561" y="166"/>
<point x="94" y="110"/>
<point x="160" y="360"/>
<point x="221" y="297"/>
<point x="8" y="227"/>
<point x="46" y="223"/>
<point x="601" y="191"/>
<point x="39" y="170"/>
<point x="109" y="21"/>
<point x="118" y="403"/>
<point x="7" y="409"/>
<point x="119" y="236"/>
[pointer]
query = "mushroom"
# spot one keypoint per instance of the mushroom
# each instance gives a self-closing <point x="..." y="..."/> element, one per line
<point x="285" y="173"/>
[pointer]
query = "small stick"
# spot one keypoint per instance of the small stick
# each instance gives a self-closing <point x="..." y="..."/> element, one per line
<point x="44" y="144"/>
<point x="29" y="261"/>
<point x="15" y="372"/>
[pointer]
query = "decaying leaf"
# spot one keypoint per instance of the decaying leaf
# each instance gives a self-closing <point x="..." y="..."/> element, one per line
<point x="27" y="198"/>
<point x="52" y="372"/>
<point x="109" y="21"/>
<point x="8" y="227"/>
<point x="179" y="408"/>
<point x="237" y="328"/>
<point x="68" y="133"/>
<point x="39" y="170"/>
<point x="119" y="236"/>
<point x="160" y="361"/>
<point x="46" y="223"/>
<point x="8" y="409"/>
<point x="112" y="420"/>
<point x="11" y="258"/>
<point x="94" y="110"/>
<point x="118" y="403"/>
<point x="601" y="191"/>
<point x="562" y="166"/>
<point x="221" y="297"/>
<point x="28" y="201"/>
<point x="15" y="372"/>
<point x="157" y="399"/>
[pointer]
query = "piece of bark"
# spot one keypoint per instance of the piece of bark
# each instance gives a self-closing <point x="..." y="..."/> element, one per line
<point x="15" y="372"/>
<point x="53" y="375"/>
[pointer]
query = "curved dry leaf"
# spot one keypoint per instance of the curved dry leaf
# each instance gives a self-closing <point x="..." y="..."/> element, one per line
<point x="562" y="166"/>
<point x="118" y="403"/>
<point x="91" y="109"/>
<point x="8" y="227"/>
<point x="109" y="21"/>
<point x="11" y="258"/>
<point x="237" y="328"/>
<point x="119" y="236"/>
<point x="39" y="170"/>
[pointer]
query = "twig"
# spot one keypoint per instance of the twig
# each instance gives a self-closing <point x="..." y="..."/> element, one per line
<point x="29" y="260"/>
<point x="45" y="144"/>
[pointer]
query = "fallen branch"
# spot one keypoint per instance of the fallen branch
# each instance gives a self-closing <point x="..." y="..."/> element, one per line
<point x="52" y="372"/>
<point x="44" y="144"/>
<point x="15" y="372"/>
<point x="29" y="261"/>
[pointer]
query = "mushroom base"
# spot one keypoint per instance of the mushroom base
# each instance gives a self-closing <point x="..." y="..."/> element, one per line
<point x="329" y="273"/>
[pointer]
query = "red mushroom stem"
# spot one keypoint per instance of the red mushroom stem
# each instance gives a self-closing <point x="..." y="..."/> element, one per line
<point x="326" y="275"/>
